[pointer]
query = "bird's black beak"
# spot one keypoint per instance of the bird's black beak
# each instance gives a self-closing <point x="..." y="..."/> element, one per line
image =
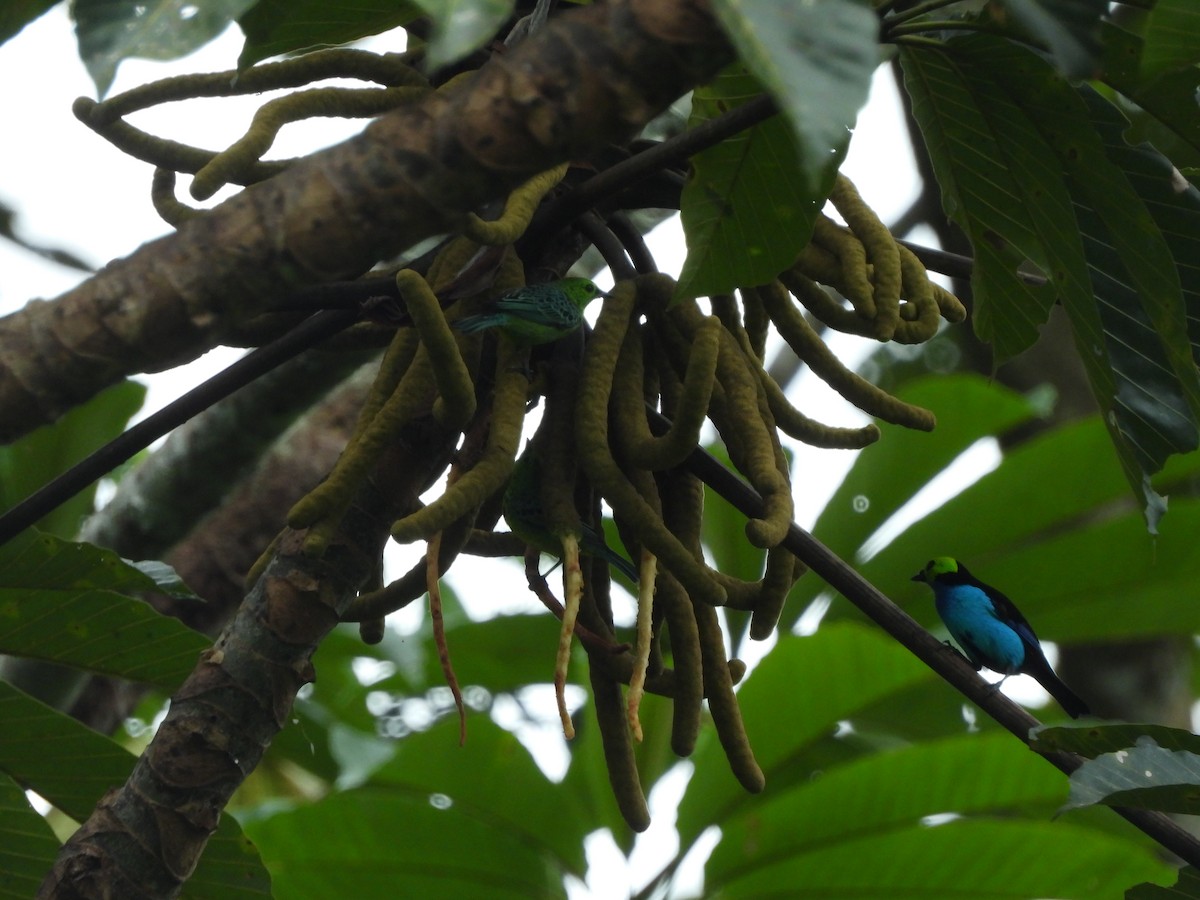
<point x="920" y="576"/>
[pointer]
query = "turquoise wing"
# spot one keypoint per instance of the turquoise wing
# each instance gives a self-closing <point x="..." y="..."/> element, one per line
<point x="541" y="304"/>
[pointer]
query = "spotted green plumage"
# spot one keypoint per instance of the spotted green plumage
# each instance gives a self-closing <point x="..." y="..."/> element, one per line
<point x="536" y="313"/>
<point x="524" y="514"/>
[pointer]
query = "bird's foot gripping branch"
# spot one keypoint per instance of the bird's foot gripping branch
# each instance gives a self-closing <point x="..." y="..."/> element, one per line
<point x="596" y="443"/>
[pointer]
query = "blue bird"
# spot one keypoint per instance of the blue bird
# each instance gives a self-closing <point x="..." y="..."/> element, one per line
<point x="991" y="630"/>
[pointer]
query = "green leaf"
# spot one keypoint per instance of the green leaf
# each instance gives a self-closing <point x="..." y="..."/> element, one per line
<point x="1095" y="740"/>
<point x="854" y="666"/>
<point x="1001" y="182"/>
<point x="110" y="31"/>
<point x="276" y="27"/>
<point x="483" y="777"/>
<point x="1138" y="357"/>
<point x="1172" y="37"/>
<point x="461" y="27"/>
<point x="27" y="845"/>
<point x="826" y="811"/>
<point x="1068" y="27"/>
<point x="41" y="456"/>
<point x="881" y="793"/>
<point x="477" y="821"/>
<point x="816" y="59"/>
<point x="16" y="14"/>
<point x="745" y="209"/>
<point x="59" y="602"/>
<point x="1145" y="776"/>
<point x="1170" y="97"/>
<point x="966" y="858"/>
<point x="72" y="767"/>
<point x="166" y="579"/>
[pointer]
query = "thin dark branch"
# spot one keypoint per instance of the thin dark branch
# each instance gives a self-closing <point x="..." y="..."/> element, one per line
<point x="675" y="150"/>
<point x="591" y="225"/>
<point x="958" y="266"/>
<point x="635" y="245"/>
<point x="122" y="448"/>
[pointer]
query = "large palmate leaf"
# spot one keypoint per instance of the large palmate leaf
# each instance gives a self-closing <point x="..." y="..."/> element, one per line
<point x="84" y="765"/>
<point x="1169" y="97"/>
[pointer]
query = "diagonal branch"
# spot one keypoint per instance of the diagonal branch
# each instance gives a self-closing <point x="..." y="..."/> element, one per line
<point x="942" y="660"/>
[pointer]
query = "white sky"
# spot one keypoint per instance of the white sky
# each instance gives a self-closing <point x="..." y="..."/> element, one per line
<point x="72" y="190"/>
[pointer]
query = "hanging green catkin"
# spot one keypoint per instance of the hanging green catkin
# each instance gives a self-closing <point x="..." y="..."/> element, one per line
<point x="618" y="750"/>
<point x="808" y="345"/>
<point x="796" y="424"/>
<point x="236" y="164"/>
<point x="688" y="663"/>
<point x="321" y="510"/>
<point x="880" y="251"/>
<point x="756" y="323"/>
<point x="595" y="456"/>
<point x="722" y="702"/>
<point x="780" y="574"/>
<point x="825" y="309"/>
<point x="757" y="435"/>
<point x="852" y="280"/>
<point x="518" y="210"/>
<point x="456" y="401"/>
<point x="630" y="429"/>
<point x="487" y="477"/>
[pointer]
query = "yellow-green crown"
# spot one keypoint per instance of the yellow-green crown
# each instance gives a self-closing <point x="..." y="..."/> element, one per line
<point x="939" y="565"/>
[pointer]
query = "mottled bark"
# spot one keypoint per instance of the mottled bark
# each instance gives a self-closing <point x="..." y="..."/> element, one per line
<point x="591" y="76"/>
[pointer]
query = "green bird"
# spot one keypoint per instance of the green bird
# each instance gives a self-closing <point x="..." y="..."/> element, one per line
<point x="991" y="630"/>
<point x="524" y="514"/>
<point x="536" y="313"/>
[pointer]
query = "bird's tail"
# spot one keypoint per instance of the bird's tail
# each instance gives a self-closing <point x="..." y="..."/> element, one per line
<point x="621" y="564"/>
<point x="472" y="324"/>
<point x="1067" y="698"/>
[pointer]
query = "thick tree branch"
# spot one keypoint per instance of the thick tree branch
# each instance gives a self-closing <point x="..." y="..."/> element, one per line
<point x="144" y="839"/>
<point x="591" y="76"/>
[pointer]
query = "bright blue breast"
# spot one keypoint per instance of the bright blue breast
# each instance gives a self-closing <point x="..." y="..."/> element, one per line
<point x="971" y="619"/>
